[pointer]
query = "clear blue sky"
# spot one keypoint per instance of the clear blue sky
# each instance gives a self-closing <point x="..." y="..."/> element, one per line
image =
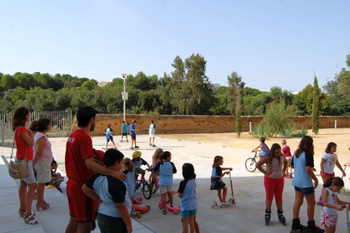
<point x="267" y="42"/>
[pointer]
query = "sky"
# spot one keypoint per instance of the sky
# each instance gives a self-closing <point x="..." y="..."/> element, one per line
<point x="266" y="42"/>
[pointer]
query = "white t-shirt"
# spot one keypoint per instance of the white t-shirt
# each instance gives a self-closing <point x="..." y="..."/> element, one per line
<point x="331" y="200"/>
<point x="331" y="160"/>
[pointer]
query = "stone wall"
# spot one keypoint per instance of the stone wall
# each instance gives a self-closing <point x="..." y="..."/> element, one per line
<point x="167" y="124"/>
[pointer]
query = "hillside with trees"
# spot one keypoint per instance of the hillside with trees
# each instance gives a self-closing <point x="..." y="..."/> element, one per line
<point x="185" y="91"/>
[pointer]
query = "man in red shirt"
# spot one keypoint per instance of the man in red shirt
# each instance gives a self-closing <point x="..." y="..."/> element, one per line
<point x="80" y="166"/>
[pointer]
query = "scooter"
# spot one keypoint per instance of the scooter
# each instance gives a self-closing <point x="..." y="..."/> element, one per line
<point x="232" y="199"/>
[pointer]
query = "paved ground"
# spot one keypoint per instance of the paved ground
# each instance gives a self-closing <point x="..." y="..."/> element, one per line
<point x="246" y="216"/>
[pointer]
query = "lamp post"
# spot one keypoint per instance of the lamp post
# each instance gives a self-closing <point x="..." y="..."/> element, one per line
<point x="124" y="96"/>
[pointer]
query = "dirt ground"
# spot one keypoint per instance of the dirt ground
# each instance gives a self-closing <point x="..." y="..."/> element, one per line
<point x="339" y="136"/>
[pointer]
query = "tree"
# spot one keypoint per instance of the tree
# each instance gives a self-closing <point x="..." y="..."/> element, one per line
<point x="315" y="107"/>
<point x="238" y="111"/>
<point x="234" y="81"/>
<point x="8" y="82"/>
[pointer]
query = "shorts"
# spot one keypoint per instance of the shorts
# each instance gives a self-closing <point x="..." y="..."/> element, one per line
<point x="216" y="183"/>
<point x="152" y="135"/>
<point x="327" y="174"/>
<point x="187" y="213"/>
<point x="124" y="134"/>
<point x="110" y="139"/>
<point x="263" y="154"/>
<point x="80" y="206"/>
<point x="43" y="171"/>
<point x="329" y="220"/>
<point x="110" y="224"/>
<point x="305" y="191"/>
<point x="165" y="189"/>
<point x="30" y="179"/>
<point x="289" y="160"/>
<point x="139" y="171"/>
<point x="133" y="136"/>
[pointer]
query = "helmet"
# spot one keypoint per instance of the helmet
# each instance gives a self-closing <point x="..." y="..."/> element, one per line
<point x="136" y="154"/>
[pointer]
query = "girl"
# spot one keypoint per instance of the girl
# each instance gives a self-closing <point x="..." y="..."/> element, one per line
<point x="216" y="181"/>
<point x="277" y="165"/>
<point x="187" y="193"/>
<point x="24" y="144"/>
<point x="156" y="158"/>
<point x="262" y="145"/>
<point x="331" y="203"/>
<point x="42" y="161"/>
<point x="328" y="162"/>
<point x="303" y="163"/>
<point x="130" y="180"/>
<point x="166" y="170"/>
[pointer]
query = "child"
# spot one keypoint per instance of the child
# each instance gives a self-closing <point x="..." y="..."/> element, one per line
<point x="331" y="203"/>
<point x="166" y="170"/>
<point x="133" y="131"/>
<point x="156" y="158"/>
<point x="138" y="162"/>
<point x="274" y="180"/>
<point x="151" y="132"/>
<point x="262" y="145"/>
<point x="109" y="135"/>
<point x="56" y="178"/>
<point x="130" y="181"/>
<point x="303" y="163"/>
<point x="288" y="155"/>
<point x="187" y="193"/>
<point x="124" y="131"/>
<point x="328" y="162"/>
<point x="111" y="193"/>
<point x="216" y="175"/>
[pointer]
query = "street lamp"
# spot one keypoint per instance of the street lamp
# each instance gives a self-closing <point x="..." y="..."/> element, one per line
<point x="124" y="96"/>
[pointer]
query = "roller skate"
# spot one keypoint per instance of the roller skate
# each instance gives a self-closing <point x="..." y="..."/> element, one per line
<point x="281" y="218"/>
<point x="267" y="216"/>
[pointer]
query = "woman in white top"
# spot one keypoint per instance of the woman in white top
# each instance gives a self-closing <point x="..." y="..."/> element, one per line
<point x="42" y="160"/>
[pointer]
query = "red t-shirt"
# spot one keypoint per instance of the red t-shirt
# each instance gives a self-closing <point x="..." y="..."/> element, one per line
<point x="78" y="148"/>
<point x="21" y="144"/>
<point x="286" y="151"/>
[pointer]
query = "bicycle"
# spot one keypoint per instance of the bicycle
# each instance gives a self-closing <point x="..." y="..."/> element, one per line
<point x="146" y="188"/>
<point x="156" y="182"/>
<point x="250" y="163"/>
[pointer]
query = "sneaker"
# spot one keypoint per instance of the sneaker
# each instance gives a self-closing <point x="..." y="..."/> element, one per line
<point x="164" y="212"/>
<point x="127" y="140"/>
<point x="121" y="140"/>
<point x="131" y="148"/>
<point x="50" y="186"/>
<point x="150" y="144"/>
<point x="137" y="147"/>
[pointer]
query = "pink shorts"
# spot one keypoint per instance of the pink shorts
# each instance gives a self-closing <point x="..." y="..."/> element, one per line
<point x="329" y="220"/>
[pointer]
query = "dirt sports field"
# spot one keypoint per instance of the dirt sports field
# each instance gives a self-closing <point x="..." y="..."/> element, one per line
<point x="340" y="136"/>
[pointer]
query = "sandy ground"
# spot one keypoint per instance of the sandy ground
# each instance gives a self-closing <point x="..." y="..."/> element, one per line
<point x="246" y="141"/>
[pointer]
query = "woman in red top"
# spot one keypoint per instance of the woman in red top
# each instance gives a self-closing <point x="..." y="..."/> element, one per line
<point x="24" y="143"/>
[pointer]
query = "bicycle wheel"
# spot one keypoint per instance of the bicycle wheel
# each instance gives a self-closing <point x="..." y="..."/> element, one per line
<point x="250" y="165"/>
<point x="146" y="190"/>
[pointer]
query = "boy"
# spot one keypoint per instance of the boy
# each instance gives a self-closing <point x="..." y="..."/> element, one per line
<point x="109" y="135"/>
<point x="151" y="132"/>
<point x="133" y="134"/>
<point x="114" y="210"/>
<point x="124" y="131"/>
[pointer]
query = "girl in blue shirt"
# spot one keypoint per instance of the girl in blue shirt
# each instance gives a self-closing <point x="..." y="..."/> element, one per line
<point x="166" y="170"/>
<point x="216" y="175"/>
<point x="187" y="193"/>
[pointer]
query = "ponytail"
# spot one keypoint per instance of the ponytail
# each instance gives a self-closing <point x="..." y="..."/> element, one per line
<point x="337" y="181"/>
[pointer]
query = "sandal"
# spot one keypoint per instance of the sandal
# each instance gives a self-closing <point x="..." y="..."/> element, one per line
<point x="43" y="206"/>
<point x="21" y="213"/>
<point x="30" y="220"/>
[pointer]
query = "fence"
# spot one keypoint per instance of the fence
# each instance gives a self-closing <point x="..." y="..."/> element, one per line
<point x="61" y="121"/>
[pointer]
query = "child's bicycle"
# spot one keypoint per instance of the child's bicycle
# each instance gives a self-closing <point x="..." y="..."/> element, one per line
<point x="250" y="163"/>
<point x="146" y="188"/>
<point x="155" y="184"/>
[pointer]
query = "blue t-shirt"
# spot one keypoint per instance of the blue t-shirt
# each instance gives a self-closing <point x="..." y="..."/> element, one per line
<point x="130" y="183"/>
<point x="132" y="128"/>
<point x="151" y="128"/>
<point x="125" y="128"/>
<point x="188" y="199"/>
<point x="166" y="171"/>
<point x="301" y="177"/>
<point x="111" y="190"/>
<point x="109" y="133"/>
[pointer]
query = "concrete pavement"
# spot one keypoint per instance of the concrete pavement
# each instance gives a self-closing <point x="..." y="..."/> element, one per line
<point x="247" y="215"/>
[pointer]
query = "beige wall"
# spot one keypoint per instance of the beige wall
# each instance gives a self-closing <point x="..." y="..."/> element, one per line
<point x="166" y="124"/>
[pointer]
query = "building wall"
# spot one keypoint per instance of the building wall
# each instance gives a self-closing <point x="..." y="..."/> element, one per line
<point x="167" y="124"/>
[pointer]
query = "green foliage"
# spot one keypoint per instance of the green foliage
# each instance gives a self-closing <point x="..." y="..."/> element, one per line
<point x="316" y="107"/>
<point x="259" y="131"/>
<point x="301" y="132"/>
